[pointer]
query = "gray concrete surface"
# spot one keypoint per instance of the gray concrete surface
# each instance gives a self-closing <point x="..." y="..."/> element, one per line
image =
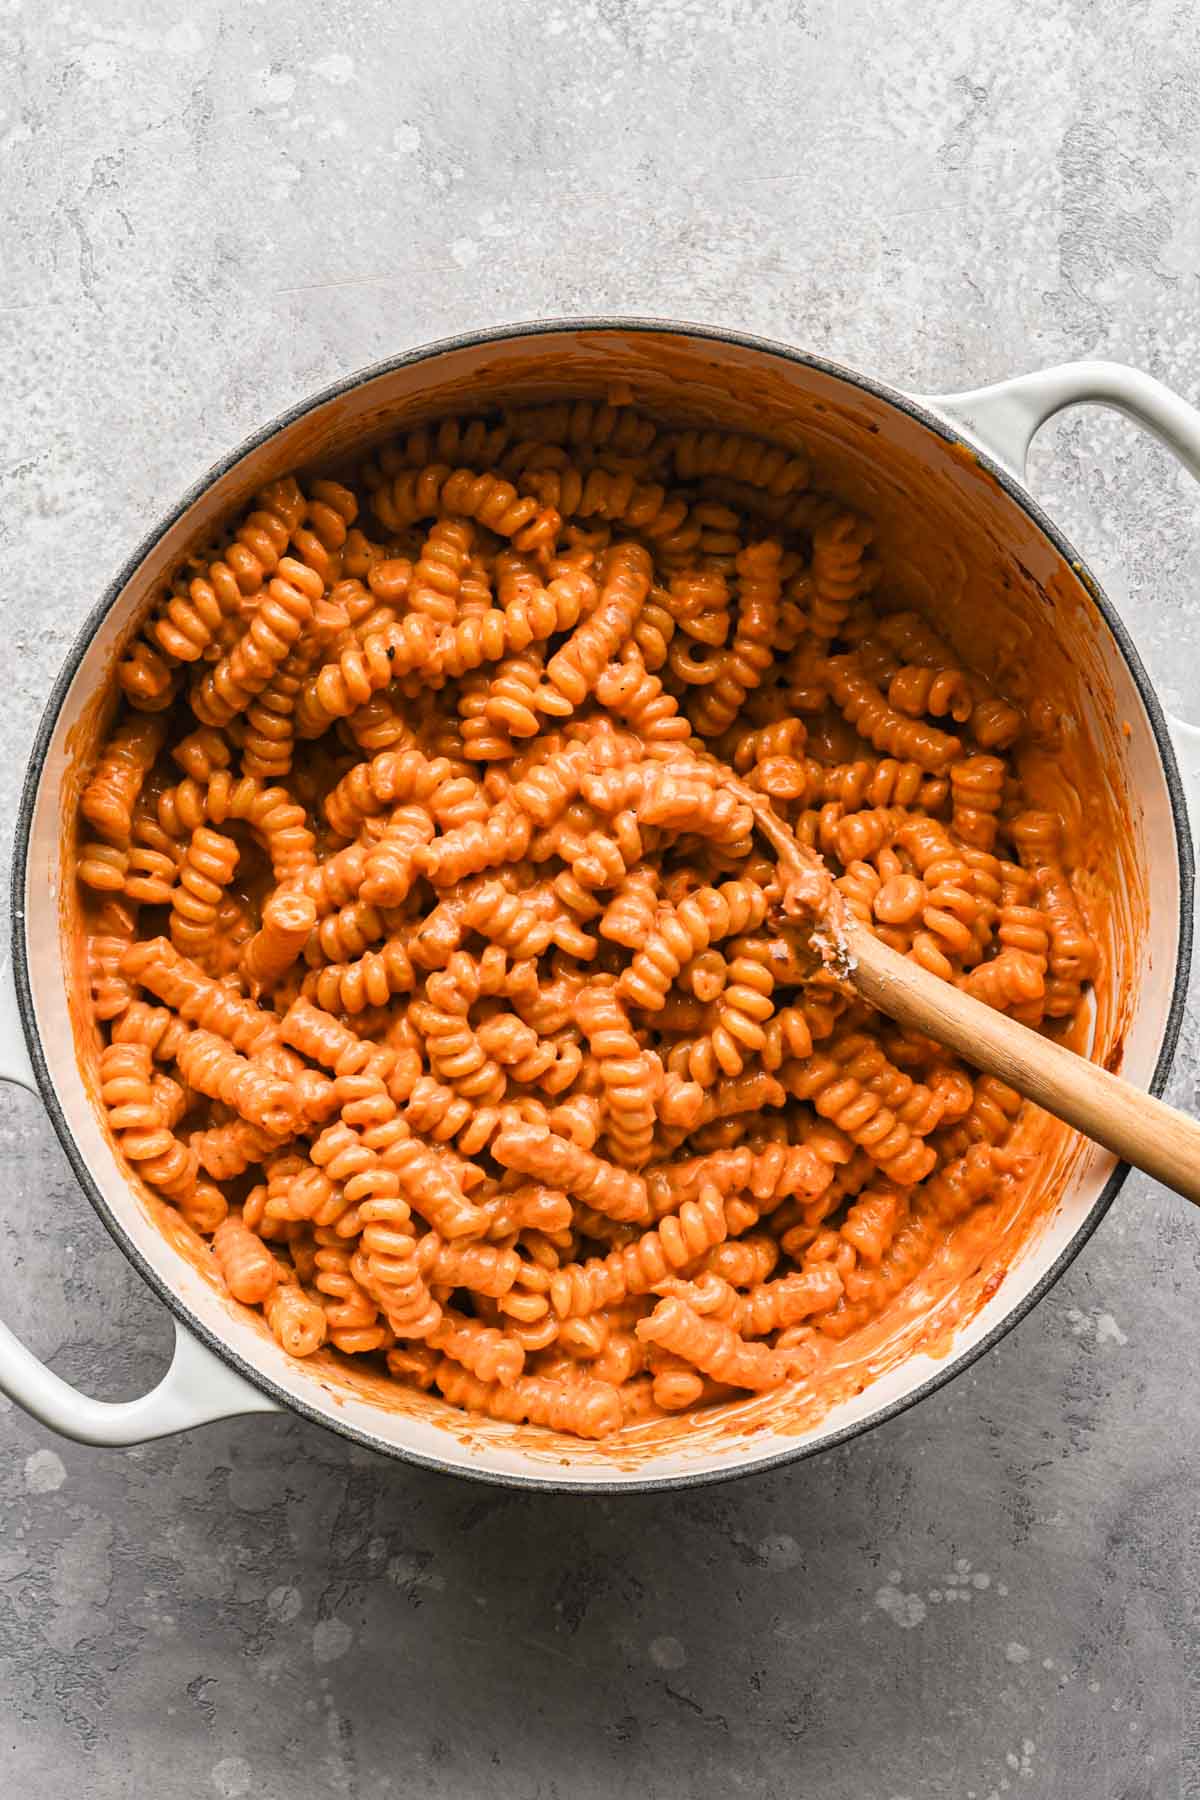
<point x="206" y="212"/>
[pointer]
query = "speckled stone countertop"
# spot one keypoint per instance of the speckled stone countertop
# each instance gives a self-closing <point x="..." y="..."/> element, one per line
<point x="208" y="212"/>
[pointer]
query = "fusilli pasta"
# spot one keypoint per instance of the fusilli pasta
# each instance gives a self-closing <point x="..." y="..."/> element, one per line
<point x="439" y="974"/>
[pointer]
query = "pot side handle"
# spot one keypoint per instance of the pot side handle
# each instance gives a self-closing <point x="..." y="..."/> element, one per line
<point x="1006" y="417"/>
<point x="197" y="1388"/>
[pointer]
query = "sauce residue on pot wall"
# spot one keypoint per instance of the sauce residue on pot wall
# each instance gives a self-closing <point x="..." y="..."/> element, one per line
<point x="955" y="545"/>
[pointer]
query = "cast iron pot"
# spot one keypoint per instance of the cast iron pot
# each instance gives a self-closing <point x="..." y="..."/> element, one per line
<point x="942" y="478"/>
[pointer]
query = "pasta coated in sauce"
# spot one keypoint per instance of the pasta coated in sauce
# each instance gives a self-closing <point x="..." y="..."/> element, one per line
<point x="437" y="964"/>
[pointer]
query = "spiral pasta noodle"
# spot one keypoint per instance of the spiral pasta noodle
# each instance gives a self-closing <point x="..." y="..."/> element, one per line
<point x="247" y="1267"/>
<point x="188" y="619"/>
<point x="717" y="1349"/>
<point x="109" y="798"/>
<point x="206" y="871"/>
<point x="137" y="1117"/>
<point x="275" y="628"/>
<point x="439" y="974"/>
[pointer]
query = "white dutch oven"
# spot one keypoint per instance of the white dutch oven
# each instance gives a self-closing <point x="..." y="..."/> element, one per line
<point x="953" y="466"/>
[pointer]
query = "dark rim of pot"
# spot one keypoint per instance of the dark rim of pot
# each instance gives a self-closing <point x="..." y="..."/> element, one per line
<point x="941" y="428"/>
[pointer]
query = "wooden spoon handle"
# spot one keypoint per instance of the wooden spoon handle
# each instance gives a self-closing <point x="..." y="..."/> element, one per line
<point x="1134" y="1126"/>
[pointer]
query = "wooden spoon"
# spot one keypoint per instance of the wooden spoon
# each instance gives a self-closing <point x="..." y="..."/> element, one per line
<point x="1133" y="1125"/>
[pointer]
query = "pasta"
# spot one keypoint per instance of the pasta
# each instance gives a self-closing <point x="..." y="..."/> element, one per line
<point x="439" y="974"/>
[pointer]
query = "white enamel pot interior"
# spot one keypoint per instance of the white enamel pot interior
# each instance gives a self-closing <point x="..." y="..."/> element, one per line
<point x="949" y="514"/>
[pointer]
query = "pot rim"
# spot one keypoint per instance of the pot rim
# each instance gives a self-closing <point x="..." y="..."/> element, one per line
<point x="923" y="414"/>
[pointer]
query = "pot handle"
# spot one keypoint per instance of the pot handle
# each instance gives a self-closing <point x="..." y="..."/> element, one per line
<point x="196" y="1389"/>
<point x="1006" y="417"/>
